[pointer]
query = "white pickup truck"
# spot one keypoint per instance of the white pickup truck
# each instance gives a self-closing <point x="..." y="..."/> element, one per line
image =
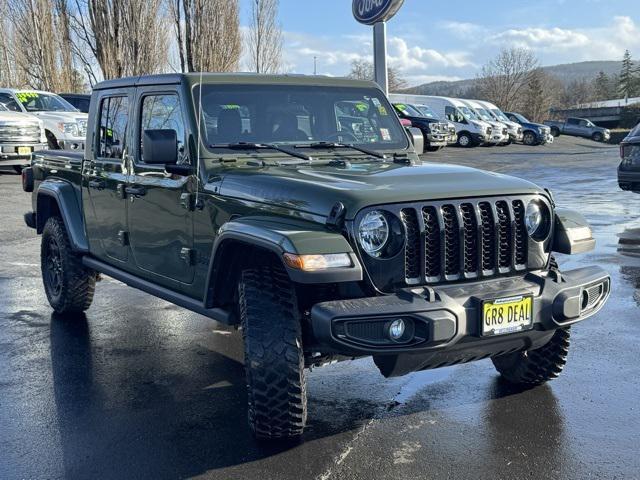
<point x="65" y="126"/>
<point x="21" y="134"/>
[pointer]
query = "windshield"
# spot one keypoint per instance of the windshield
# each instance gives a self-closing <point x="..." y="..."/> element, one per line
<point x="470" y="114"/>
<point x="299" y="115"/>
<point x="408" y="110"/>
<point x="3" y="108"/>
<point x="43" y="102"/>
<point x="500" y="115"/>
<point x="520" y="118"/>
<point x="484" y="114"/>
<point x="426" y="111"/>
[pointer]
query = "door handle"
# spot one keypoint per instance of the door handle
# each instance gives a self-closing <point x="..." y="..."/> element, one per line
<point x="135" y="191"/>
<point x="97" y="184"/>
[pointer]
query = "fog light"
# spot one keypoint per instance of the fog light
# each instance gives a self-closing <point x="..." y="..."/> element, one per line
<point x="396" y="329"/>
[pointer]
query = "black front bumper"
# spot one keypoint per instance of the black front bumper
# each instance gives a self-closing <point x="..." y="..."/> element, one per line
<point x="629" y="180"/>
<point x="446" y="319"/>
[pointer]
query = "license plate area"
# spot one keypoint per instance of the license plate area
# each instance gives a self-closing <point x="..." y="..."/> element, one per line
<point x="501" y="316"/>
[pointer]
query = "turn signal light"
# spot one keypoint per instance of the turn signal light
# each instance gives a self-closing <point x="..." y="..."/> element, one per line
<point x="310" y="263"/>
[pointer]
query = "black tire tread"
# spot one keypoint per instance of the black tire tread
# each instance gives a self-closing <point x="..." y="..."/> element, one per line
<point x="274" y="360"/>
<point x="535" y="367"/>
<point x="79" y="282"/>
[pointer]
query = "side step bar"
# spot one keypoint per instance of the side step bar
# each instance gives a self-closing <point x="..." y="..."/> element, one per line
<point x="217" y="314"/>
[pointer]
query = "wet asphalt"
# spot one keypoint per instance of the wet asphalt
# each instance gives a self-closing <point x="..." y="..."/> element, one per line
<point x="139" y="388"/>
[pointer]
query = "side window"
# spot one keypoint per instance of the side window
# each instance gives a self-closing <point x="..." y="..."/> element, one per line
<point x="114" y="118"/>
<point x="8" y="101"/>
<point x="583" y="123"/>
<point x="572" y="121"/>
<point x="163" y="112"/>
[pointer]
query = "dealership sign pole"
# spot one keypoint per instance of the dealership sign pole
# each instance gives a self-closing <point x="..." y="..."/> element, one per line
<point x="376" y="13"/>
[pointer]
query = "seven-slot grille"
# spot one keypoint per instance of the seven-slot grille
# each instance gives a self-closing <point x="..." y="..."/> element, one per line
<point x="464" y="240"/>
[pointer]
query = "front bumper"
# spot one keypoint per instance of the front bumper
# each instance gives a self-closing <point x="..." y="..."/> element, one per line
<point x="446" y="319"/>
<point x="437" y="140"/>
<point x="629" y="180"/>
<point x="9" y="152"/>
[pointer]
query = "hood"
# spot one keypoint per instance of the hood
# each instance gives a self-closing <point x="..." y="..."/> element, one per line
<point x="65" y="117"/>
<point x="315" y="189"/>
<point x="19" y="117"/>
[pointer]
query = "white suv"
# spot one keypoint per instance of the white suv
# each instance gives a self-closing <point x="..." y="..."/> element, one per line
<point x="65" y="127"/>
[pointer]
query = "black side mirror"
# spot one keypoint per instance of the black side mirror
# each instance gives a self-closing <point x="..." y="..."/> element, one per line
<point x="160" y="147"/>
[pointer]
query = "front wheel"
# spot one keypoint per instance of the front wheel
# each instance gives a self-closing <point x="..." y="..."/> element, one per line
<point x="69" y="285"/>
<point x="274" y="359"/>
<point x="597" y="137"/>
<point x="465" y="140"/>
<point x="535" y="367"/>
<point x="529" y="139"/>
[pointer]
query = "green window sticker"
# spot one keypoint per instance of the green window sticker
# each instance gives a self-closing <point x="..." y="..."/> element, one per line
<point x="24" y="97"/>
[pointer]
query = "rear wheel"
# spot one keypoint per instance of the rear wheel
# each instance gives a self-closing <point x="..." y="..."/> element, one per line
<point x="555" y="131"/>
<point x="274" y="360"/>
<point x="535" y="367"/>
<point x="69" y="285"/>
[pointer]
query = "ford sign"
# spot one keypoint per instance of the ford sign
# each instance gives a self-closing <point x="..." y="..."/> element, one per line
<point x="374" y="11"/>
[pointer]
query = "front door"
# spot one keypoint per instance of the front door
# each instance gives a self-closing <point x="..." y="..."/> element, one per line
<point x="104" y="179"/>
<point x="159" y="216"/>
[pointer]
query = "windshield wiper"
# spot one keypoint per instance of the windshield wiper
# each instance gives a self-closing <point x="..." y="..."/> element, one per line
<point x="260" y="146"/>
<point x="319" y="145"/>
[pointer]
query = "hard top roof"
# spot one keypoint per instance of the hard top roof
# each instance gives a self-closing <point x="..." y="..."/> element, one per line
<point x="232" y="78"/>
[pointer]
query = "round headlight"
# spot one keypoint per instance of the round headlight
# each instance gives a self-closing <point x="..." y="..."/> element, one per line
<point x="373" y="232"/>
<point x="536" y="219"/>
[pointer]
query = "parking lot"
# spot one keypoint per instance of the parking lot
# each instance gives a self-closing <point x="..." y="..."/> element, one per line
<point x="140" y="388"/>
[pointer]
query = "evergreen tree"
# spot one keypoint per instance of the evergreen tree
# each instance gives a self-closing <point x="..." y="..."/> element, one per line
<point x="627" y="81"/>
<point x="602" y="87"/>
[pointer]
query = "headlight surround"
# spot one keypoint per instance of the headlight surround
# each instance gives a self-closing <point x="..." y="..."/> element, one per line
<point x="537" y="219"/>
<point x="373" y="232"/>
<point x="69" y="128"/>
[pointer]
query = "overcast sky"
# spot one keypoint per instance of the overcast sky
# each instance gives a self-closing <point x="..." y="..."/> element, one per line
<point x="448" y="40"/>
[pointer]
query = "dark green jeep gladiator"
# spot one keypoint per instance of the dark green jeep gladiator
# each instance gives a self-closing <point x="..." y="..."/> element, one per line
<point x="297" y="209"/>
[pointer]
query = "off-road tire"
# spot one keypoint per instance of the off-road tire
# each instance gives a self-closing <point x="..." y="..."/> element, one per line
<point x="68" y="284"/>
<point x="597" y="137"/>
<point x="274" y="359"/>
<point x="535" y="367"/>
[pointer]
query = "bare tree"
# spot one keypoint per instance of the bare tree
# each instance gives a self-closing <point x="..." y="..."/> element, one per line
<point x="363" y="70"/>
<point x="123" y="37"/>
<point x="504" y="79"/>
<point x="207" y="34"/>
<point x="265" y="37"/>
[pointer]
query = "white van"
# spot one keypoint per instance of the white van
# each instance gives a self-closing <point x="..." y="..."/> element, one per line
<point x="500" y="134"/>
<point x="515" y="129"/>
<point x="471" y="130"/>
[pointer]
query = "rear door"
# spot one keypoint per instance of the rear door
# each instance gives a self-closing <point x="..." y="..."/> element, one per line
<point x="159" y="219"/>
<point x="105" y="175"/>
<point x="572" y="126"/>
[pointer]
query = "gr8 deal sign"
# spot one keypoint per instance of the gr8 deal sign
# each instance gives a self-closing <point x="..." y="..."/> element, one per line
<point x="374" y="11"/>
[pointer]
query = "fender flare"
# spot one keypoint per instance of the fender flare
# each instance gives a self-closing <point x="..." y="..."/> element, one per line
<point x="64" y="196"/>
<point x="279" y="236"/>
